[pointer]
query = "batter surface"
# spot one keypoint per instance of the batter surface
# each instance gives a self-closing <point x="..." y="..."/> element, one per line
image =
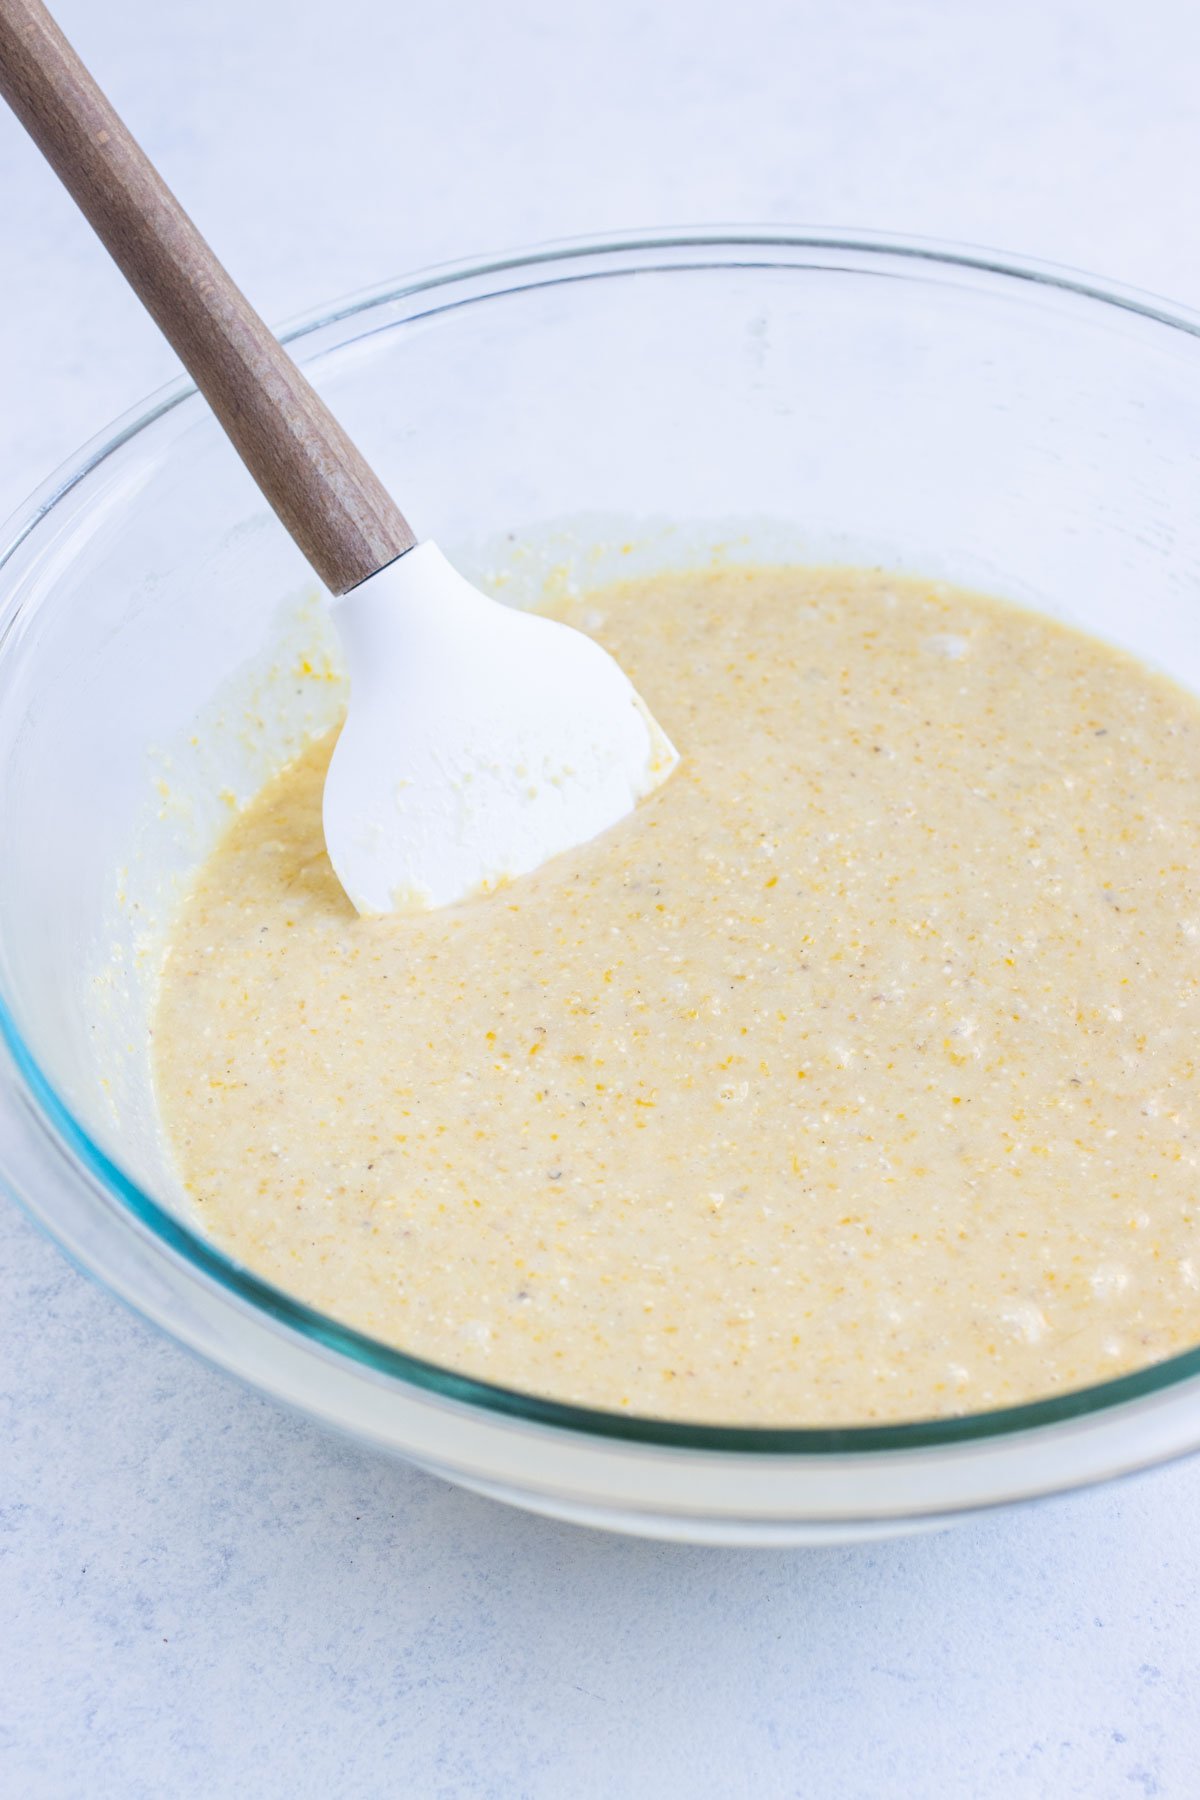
<point x="853" y="1078"/>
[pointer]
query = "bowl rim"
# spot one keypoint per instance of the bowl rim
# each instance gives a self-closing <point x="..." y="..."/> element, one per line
<point x="573" y="258"/>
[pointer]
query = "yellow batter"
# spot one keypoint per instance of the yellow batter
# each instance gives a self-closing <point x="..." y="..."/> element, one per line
<point x="853" y="1078"/>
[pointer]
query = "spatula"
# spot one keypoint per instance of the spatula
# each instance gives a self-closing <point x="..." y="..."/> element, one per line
<point x="480" y="741"/>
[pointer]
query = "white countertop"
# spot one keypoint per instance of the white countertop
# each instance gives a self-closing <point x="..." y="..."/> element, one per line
<point x="203" y="1596"/>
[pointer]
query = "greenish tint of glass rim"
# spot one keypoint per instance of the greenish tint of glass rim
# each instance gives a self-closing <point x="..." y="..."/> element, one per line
<point x="576" y="259"/>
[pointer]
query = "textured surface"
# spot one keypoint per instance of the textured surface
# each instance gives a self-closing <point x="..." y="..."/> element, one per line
<point x="203" y="1596"/>
<point x="746" y="1111"/>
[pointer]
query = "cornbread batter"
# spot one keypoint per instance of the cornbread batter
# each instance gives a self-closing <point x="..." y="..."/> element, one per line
<point x="853" y="1078"/>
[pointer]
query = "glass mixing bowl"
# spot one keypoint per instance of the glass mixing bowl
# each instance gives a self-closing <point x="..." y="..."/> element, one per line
<point x="1014" y="426"/>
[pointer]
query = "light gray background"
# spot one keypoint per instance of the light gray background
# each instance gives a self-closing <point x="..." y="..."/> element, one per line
<point x="201" y="1596"/>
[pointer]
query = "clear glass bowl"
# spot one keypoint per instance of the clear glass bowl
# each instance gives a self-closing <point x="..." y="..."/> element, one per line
<point x="952" y="412"/>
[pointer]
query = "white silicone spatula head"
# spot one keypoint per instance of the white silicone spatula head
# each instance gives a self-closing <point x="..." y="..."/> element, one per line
<point x="480" y="741"/>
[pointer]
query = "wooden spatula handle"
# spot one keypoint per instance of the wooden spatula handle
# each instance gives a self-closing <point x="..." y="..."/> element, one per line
<point x="335" y="507"/>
